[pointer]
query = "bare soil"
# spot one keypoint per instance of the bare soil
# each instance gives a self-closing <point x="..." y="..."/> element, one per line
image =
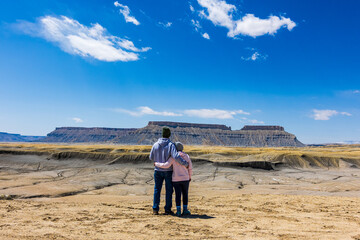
<point x="87" y="199"/>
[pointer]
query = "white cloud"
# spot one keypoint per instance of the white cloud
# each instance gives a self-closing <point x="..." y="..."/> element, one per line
<point x="125" y="11"/>
<point x="192" y="8"/>
<point x="77" y="120"/>
<point x="220" y="13"/>
<point x="147" y="111"/>
<point x="165" y="25"/>
<point x="214" y="113"/>
<point x="205" y="35"/>
<point x="129" y="45"/>
<point x="252" y="121"/>
<point x="196" y="24"/>
<point x="77" y="39"/>
<point x="198" y="27"/>
<point x="202" y="113"/>
<point x="323" y="114"/>
<point x="255" y="56"/>
<point x="346" y="114"/>
<point x="241" y="112"/>
<point x="326" y="114"/>
<point x="253" y="26"/>
<point x="356" y="91"/>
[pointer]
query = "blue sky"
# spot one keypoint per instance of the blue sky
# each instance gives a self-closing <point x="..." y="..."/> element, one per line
<point x="235" y="62"/>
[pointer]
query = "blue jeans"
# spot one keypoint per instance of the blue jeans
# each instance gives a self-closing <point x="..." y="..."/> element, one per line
<point x="159" y="178"/>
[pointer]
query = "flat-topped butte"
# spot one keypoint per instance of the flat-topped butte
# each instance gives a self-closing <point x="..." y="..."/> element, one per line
<point x="187" y="133"/>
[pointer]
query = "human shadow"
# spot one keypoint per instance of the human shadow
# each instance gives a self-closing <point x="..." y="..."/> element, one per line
<point x="203" y="216"/>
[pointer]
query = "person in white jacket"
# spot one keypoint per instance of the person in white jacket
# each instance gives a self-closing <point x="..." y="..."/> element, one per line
<point x="181" y="177"/>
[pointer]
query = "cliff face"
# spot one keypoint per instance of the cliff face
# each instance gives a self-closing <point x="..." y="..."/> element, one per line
<point x="187" y="133"/>
<point x="78" y="134"/>
<point x="248" y="127"/>
<point x="9" y="137"/>
<point x="188" y="125"/>
<point x="202" y="136"/>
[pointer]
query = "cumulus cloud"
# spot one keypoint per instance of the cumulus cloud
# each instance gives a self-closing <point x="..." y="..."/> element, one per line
<point x="141" y="111"/>
<point x="205" y="35"/>
<point x="326" y="114"/>
<point x="220" y="13"/>
<point x="125" y="11"/>
<point x="77" y="120"/>
<point x="77" y="39"/>
<point x="214" y="113"/>
<point x="254" y="26"/>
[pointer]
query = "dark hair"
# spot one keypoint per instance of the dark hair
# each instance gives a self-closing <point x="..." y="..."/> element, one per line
<point x="166" y="133"/>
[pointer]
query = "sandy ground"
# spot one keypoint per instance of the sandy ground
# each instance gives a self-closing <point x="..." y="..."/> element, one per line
<point x="80" y="199"/>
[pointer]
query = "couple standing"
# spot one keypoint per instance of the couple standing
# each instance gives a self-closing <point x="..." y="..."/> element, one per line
<point x="175" y="167"/>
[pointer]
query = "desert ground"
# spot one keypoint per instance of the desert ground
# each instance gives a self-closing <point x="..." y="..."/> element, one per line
<point x="64" y="191"/>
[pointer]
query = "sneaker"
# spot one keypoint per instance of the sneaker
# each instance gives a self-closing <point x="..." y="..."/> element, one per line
<point x="186" y="213"/>
<point x="178" y="213"/>
<point x="169" y="212"/>
<point x="155" y="212"/>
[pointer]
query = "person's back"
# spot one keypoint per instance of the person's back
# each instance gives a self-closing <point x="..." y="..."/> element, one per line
<point x="180" y="172"/>
<point x="161" y="151"/>
<point x="181" y="178"/>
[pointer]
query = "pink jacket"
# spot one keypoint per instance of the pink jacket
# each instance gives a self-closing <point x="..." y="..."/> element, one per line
<point x="180" y="172"/>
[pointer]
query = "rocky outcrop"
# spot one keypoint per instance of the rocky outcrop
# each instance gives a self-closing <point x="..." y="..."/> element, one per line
<point x="188" y="125"/>
<point x="248" y="127"/>
<point x="211" y="136"/>
<point x="187" y="133"/>
<point x="9" y="137"/>
<point x="80" y="134"/>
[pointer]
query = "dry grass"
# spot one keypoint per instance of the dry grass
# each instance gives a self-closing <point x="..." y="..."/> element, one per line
<point x="325" y="156"/>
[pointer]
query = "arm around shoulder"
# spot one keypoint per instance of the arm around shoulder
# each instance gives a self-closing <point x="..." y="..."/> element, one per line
<point x="175" y="154"/>
<point x="167" y="164"/>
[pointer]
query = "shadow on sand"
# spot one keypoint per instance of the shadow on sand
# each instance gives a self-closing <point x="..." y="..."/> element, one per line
<point x="204" y="216"/>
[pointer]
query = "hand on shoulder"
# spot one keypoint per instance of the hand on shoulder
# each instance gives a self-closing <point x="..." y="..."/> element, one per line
<point x="182" y="154"/>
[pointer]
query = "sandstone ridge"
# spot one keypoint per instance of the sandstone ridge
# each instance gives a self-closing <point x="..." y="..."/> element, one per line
<point x="249" y="127"/>
<point x="192" y="125"/>
<point x="187" y="133"/>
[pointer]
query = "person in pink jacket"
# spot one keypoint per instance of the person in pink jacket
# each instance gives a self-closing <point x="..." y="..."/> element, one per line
<point x="181" y="178"/>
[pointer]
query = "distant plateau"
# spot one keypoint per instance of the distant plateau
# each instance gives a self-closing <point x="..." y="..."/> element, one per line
<point x="187" y="133"/>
